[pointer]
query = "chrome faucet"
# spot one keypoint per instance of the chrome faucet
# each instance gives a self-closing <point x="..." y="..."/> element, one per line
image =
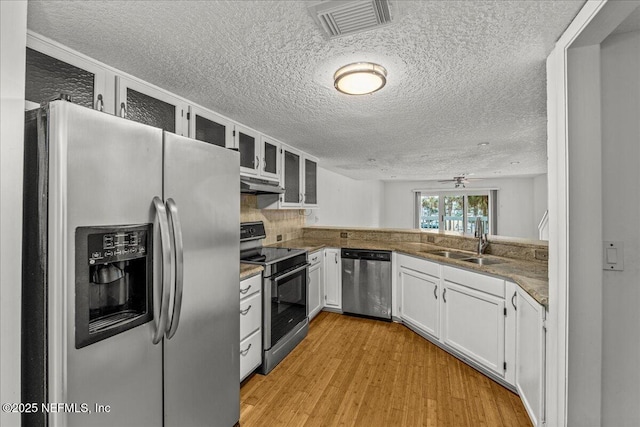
<point x="481" y="235"/>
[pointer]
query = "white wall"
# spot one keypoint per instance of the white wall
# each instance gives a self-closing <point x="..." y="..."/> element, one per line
<point x="620" y="75"/>
<point x="540" y="199"/>
<point x="346" y="202"/>
<point x="515" y="204"/>
<point x="13" y="41"/>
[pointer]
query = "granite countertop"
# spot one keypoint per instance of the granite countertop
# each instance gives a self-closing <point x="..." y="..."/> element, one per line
<point x="248" y="270"/>
<point x="531" y="276"/>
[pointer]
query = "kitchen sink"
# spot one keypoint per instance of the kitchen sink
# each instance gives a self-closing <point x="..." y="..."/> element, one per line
<point x="449" y="254"/>
<point x="483" y="261"/>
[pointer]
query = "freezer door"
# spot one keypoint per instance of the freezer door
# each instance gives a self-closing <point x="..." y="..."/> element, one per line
<point x="103" y="171"/>
<point x="201" y="360"/>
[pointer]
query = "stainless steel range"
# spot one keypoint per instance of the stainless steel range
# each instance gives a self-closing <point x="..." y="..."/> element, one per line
<point x="284" y="293"/>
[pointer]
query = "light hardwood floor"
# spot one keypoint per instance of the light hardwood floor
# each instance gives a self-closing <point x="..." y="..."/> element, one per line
<point x="351" y="371"/>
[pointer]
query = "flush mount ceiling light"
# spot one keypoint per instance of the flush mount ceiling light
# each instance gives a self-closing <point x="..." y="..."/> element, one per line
<point x="360" y="78"/>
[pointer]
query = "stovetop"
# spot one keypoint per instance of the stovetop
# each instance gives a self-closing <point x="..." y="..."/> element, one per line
<point x="265" y="256"/>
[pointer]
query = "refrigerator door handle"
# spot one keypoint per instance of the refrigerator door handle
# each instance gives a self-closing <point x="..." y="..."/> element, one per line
<point x="172" y="327"/>
<point x="161" y="213"/>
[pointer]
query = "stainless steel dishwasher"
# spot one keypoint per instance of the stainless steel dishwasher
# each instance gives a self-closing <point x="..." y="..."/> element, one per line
<point x="366" y="283"/>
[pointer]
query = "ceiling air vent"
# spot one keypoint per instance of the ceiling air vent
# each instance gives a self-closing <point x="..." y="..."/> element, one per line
<point x="339" y="18"/>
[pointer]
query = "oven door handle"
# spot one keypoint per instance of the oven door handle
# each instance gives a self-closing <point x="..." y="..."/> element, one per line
<point x="291" y="273"/>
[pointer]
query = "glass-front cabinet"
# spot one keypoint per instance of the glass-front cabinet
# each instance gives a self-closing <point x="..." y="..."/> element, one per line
<point x="291" y="177"/>
<point x="310" y="182"/>
<point x="210" y="127"/>
<point x="151" y="106"/>
<point x="299" y="177"/>
<point x="270" y="156"/>
<point x="259" y="154"/>
<point x="51" y="71"/>
<point x="247" y="142"/>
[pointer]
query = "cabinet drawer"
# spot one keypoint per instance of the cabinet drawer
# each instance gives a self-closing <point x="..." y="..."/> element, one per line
<point x="315" y="258"/>
<point x="419" y="265"/>
<point x="480" y="282"/>
<point x="250" y="354"/>
<point x="250" y="314"/>
<point x="250" y="286"/>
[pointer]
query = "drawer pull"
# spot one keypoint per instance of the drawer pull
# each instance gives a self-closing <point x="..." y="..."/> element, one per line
<point x="244" y="312"/>
<point x="245" y="290"/>
<point x="244" y="352"/>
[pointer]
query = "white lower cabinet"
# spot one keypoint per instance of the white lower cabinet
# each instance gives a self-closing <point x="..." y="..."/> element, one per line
<point x="530" y="355"/>
<point x="250" y="354"/>
<point x="316" y="283"/>
<point x="332" y="279"/>
<point x="419" y="294"/>
<point x="473" y="317"/>
<point x="473" y="324"/>
<point x="250" y="325"/>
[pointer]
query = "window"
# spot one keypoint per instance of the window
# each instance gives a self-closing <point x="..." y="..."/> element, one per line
<point x="456" y="211"/>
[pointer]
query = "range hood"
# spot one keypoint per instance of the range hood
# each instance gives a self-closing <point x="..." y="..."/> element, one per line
<point x="259" y="186"/>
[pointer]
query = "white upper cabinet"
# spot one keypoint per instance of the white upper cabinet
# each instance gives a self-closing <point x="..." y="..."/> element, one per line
<point x="269" y="165"/>
<point x="52" y="69"/>
<point x="299" y="177"/>
<point x="207" y="126"/>
<point x="310" y="195"/>
<point x="291" y="178"/>
<point x="150" y="105"/>
<point x="259" y="154"/>
<point x="247" y="141"/>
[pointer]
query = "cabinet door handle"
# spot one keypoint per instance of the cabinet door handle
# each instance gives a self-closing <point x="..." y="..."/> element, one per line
<point x="299" y="197"/>
<point x="512" y="303"/>
<point x="257" y="162"/>
<point x="100" y="103"/>
<point x="123" y="110"/>
<point x="264" y="164"/>
<point x="336" y="257"/>
<point x="435" y="291"/>
<point x="244" y="312"/>
<point x="444" y="295"/>
<point x="245" y="290"/>
<point x="244" y="352"/>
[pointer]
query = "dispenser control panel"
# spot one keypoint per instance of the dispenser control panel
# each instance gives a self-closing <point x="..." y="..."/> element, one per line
<point x="118" y="245"/>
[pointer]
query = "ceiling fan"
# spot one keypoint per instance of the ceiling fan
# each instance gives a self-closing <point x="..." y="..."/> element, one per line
<point x="460" y="181"/>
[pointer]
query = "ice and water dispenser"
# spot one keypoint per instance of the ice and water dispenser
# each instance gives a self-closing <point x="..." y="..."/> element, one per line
<point x="114" y="280"/>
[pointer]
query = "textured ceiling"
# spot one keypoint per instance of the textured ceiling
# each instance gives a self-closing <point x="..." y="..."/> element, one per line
<point x="459" y="73"/>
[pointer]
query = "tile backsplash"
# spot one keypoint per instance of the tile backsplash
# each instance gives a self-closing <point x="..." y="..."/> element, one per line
<point x="285" y="222"/>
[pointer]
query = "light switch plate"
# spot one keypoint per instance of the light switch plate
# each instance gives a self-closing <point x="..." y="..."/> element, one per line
<point x="613" y="256"/>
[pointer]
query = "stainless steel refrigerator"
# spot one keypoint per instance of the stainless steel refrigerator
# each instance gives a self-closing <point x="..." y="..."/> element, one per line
<point x="130" y="284"/>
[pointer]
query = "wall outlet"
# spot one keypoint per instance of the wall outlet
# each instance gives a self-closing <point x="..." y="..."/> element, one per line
<point x="344" y="235"/>
<point x="279" y="238"/>
<point x="431" y="239"/>
<point x="542" y="255"/>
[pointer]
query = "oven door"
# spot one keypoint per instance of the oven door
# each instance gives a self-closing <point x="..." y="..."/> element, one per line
<point x="286" y="304"/>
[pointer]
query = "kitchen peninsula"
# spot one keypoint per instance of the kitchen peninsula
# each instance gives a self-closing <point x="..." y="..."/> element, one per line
<point x="520" y="260"/>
